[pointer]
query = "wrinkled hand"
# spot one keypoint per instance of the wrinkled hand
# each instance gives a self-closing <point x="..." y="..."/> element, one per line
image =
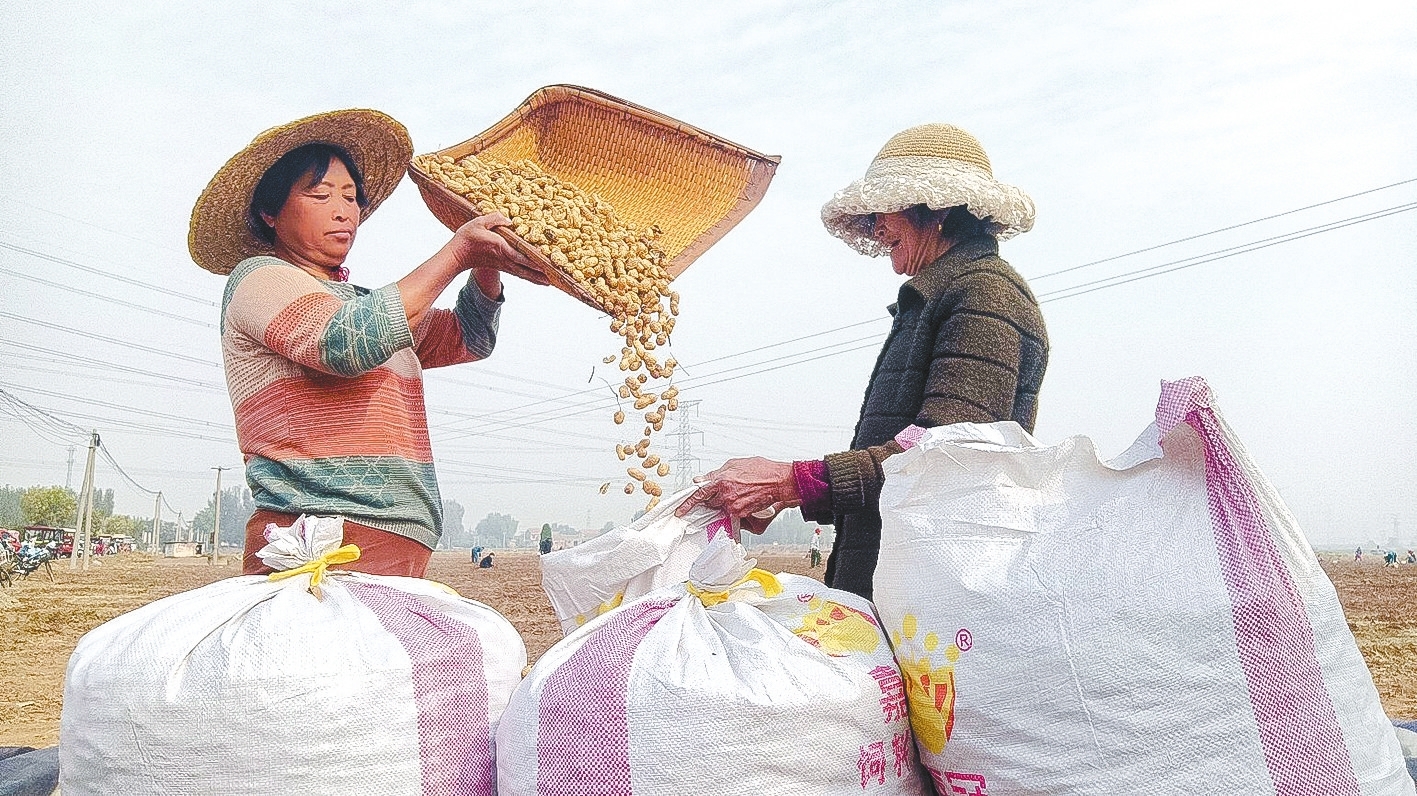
<point x="744" y="488"/>
<point x="484" y="247"/>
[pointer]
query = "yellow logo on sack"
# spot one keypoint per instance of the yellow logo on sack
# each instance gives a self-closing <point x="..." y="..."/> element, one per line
<point x="929" y="688"/>
<point x="838" y="629"/>
<point x="604" y="608"/>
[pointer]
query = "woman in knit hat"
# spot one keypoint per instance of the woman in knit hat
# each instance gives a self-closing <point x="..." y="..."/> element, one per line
<point x="326" y="377"/>
<point x="967" y="344"/>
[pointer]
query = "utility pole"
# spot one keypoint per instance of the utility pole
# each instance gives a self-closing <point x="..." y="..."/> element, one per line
<point x="84" y="521"/>
<point x="685" y="462"/>
<point x="69" y="474"/>
<point x="157" y="525"/>
<point x="216" y="521"/>
<point x="180" y="534"/>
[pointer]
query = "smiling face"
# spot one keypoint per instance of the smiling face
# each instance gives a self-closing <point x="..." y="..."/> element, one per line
<point x="911" y="247"/>
<point x="315" y="227"/>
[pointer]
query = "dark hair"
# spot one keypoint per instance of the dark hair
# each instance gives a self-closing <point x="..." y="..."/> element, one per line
<point x="955" y="223"/>
<point x="310" y="161"/>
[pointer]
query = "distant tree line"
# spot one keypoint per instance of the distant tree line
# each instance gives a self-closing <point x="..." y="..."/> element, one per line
<point x="58" y="507"/>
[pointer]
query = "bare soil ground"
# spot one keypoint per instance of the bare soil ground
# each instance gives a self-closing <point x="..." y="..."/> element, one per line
<point x="41" y="622"/>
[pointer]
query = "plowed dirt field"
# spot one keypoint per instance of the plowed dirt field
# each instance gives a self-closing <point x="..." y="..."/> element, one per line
<point x="42" y="621"/>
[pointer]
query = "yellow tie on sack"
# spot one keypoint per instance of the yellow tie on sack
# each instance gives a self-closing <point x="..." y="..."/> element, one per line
<point x="317" y="568"/>
<point x="765" y="579"/>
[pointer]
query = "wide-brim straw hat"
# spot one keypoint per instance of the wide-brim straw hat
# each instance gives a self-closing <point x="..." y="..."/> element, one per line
<point x="937" y="165"/>
<point x="219" y="236"/>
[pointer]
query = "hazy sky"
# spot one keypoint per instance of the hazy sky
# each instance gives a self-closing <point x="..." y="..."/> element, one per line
<point x="1131" y="125"/>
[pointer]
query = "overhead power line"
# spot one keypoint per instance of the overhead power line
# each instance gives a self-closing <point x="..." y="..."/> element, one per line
<point x="52" y="429"/>
<point x="812" y="354"/>
<point x="109" y="275"/>
<point x="132" y="409"/>
<point x="1223" y="229"/>
<point x="108" y="456"/>
<point x="89" y="223"/>
<point x="1219" y="254"/>
<point x="108" y="339"/>
<point x="86" y="362"/>
<point x="59" y="423"/>
<point x="105" y="297"/>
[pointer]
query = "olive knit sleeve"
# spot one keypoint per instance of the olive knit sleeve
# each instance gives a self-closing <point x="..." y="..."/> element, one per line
<point x="972" y="377"/>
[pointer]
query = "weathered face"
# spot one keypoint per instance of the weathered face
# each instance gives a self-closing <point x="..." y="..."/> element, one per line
<point x="316" y="226"/>
<point x="911" y="247"/>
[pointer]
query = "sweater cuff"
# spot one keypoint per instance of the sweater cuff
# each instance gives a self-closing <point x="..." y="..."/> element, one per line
<point x="847" y="474"/>
<point x="813" y="489"/>
<point x="478" y="317"/>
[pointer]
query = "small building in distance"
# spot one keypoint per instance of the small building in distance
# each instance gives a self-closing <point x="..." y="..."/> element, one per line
<point x="179" y="549"/>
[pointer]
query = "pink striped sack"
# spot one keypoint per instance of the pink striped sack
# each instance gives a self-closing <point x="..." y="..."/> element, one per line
<point x="381" y="685"/>
<point x="1152" y="624"/>
<point x="736" y="683"/>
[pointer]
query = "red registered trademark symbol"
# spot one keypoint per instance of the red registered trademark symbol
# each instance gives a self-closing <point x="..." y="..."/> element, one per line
<point x="964" y="640"/>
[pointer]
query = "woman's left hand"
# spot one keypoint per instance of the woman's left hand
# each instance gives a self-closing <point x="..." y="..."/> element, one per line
<point x="485" y="248"/>
<point x="745" y="487"/>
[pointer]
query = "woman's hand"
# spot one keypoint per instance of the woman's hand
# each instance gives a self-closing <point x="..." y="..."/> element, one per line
<point x="483" y="247"/>
<point x="476" y="246"/>
<point x="745" y="487"/>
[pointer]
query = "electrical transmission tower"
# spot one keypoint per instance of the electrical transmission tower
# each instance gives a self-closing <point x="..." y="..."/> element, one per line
<point x="686" y="464"/>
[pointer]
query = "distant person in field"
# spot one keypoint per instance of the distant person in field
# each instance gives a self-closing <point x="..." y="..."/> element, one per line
<point x="967" y="343"/>
<point x="326" y="378"/>
<point x="1411" y="557"/>
<point x="1358" y="554"/>
<point x="486" y="562"/>
<point x="816" y="549"/>
<point x="545" y="538"/>
<point x="476" y="555"/>
<point x="1390" y="558"/>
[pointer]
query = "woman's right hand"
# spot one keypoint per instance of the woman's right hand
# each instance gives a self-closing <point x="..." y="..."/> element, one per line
<point x="746" y="488"/>
<point x="484" y="247"/>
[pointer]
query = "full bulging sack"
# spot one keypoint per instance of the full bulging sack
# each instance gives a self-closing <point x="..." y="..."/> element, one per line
<point x="382" y="685"/>
<point x="738" y="683"/>
<point x="1152" y="624"/>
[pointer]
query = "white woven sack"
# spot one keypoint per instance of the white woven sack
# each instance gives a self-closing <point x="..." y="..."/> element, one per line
<point x="1153" y="624"/>
<point x="628" y="562"/>
<point x="385" y="686"/>
<point x="730" y="691"/>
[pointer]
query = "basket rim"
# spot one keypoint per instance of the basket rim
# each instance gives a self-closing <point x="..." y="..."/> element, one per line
<point x="760" y="168"/>
<point x="560" y="92"/>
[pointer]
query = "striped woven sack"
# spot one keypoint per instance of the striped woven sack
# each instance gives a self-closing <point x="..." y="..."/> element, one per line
<point x="737" y="682"/>
<point x="1156" y="623"/>
<point x="253" y="685"/>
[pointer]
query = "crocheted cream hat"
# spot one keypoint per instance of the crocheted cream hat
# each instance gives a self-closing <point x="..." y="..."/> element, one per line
<point x="218" y="236"/>
<point x="937" y="165"/>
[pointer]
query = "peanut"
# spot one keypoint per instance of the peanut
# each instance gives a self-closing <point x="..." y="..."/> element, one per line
<point x="621" y="266"/>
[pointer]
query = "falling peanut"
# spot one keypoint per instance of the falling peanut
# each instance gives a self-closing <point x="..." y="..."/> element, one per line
<point x="621" y="266"/>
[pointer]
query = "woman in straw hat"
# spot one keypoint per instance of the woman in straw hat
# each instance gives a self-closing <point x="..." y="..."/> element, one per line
<point x="326" y="377"/>
<point x="968" y="342"/>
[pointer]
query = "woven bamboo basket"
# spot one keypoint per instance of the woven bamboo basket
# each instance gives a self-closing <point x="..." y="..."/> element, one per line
<point x="652" y="169"/>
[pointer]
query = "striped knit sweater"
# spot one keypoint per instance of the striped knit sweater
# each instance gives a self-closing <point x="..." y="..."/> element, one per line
<point x="326" y="380"/>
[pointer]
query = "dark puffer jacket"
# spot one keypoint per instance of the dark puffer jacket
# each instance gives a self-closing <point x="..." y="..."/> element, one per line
<point x="968" y="345"/>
